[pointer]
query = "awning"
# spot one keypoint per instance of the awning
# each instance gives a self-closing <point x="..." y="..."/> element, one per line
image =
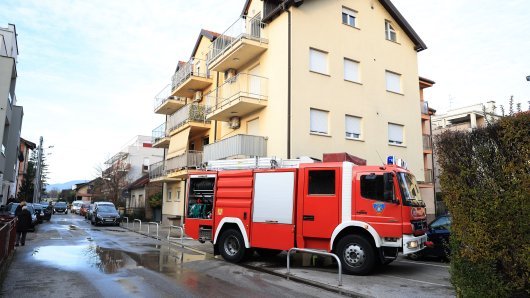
<point x="178" y="143"/>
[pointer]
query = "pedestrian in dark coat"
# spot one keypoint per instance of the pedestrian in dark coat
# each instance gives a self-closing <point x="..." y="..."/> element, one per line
<point x="23" y="224"/>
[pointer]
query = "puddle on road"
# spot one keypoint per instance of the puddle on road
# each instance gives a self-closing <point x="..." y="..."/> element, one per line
<point x="110" y="261"/>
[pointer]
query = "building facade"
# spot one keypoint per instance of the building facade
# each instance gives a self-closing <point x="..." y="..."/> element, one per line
<point x="277" y="83"/>
<point x="427" y="183"/>
<point x="9" y="112"/>
<point x="22" y="166"/>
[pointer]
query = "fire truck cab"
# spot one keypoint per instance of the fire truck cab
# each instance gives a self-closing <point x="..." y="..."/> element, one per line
<point x="364" y="214"/>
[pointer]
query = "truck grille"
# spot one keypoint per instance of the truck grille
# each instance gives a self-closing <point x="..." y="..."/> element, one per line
<point x="419" y="225"/>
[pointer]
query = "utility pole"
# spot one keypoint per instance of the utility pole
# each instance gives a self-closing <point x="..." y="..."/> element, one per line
<point x="37" y="188"/>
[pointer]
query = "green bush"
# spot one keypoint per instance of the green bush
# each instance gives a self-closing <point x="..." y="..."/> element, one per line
<point x="485" y="176"/>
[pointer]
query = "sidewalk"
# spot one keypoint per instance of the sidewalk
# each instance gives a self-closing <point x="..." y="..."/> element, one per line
<point x="402" y="278"/>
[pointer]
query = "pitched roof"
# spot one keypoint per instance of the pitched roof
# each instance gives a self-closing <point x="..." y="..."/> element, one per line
<point x="206" y="33"/>
<point x="140" y="182"/>
<point x="419" y="45"/>
<point x="29" y="144"/>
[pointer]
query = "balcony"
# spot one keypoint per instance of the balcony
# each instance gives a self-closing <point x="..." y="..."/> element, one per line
<point x="239" y="44"/>
<point x="177" y="167"/>
<point x="192" y="76"/>
<point x="192" y="115"/>
<point x="238" y="96"/>
<point x="167" y="104"/>
<point x="427" y="142"/>
<point x="158" y="173"/>
<point x="424" y="109"/>
<point x="159" y="138"/>
<point x="236" y="146"/>
<point x="428" y="176"/>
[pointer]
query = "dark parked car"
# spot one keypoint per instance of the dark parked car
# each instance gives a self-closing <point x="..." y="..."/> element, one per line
<point x="88" y="214"/>
<point x="12" y="207"/>
<point x="60" y="207"/>
<point x="39" y="211"/>
<point x="47" y="211"/>
<point x="105" y="214"/>
<point x="438" y="234"/>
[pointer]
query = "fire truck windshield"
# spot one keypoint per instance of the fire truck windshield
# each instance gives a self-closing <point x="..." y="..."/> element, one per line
<point x="410" y="190"/>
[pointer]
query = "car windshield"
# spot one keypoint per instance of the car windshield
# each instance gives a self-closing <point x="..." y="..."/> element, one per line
<point x="410" y="190"/>
<point x="106" y="208"/>
<point x="60" y="204"/>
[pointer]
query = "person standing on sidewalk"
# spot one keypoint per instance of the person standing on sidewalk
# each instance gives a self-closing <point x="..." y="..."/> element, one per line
<point x="23" y="224"/>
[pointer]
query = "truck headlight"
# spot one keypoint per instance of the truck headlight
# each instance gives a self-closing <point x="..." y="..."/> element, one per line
<point x="412" y="244"/>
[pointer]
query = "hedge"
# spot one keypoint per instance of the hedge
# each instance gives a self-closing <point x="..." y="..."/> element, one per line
<point x="485" y="177"/>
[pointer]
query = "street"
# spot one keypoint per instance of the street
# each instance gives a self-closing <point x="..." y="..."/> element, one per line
<point x="68" y="257"/>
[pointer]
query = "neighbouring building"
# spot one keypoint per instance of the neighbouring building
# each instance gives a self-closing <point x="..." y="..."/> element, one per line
<point x="128" y="165"/>
<point x="83" y="192"/>
<point x="137" y="204"/>
<point x="278" y="83"/>
<point x="10" y="113"/>
<point x="427" y="183"/>
<point x="24" y="156"/>
<point x="464" y="119"/>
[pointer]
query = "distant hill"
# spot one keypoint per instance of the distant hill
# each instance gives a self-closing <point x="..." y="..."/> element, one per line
<point x="66" y="185"/>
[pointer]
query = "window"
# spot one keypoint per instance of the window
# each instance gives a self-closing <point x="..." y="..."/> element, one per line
<point x="192" y="146"/>
<point x="205" y="140"/>
<point x="353" y="127"/>
<point x="141" y="202"/>
<point x="393" y="81"/>
<point x="318" y="61"/>
<point x="321" y="183"/>
<point x="349" y="17"/>
<point x="351" y="70"/>
<point x="318" y="121"/>
<point x="253" y="127"/>
<point x="395" y="134"/>
<point x="373" y="187"/>
<point x="178" y="195"/>
<point x="168" y="199"/>
<point x="390" y="32"/>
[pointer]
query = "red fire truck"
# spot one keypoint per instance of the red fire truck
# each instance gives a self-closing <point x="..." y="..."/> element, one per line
<point x="363" y="214"/>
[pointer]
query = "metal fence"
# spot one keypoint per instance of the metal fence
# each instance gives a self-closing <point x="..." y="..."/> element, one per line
<point x="428" y="176"/>
<point x="157" y="170"/>
<point x="190" y="159"/>
<point x="427" y="142"/>
<point x="238" y="145"/>
<point x="244" y="27"/>
<point x="233" y="89"/>
<point x="158" y="133"/>
<point x="191" y="112"/>
<point x="194" y="67"/>
<point x="8" y="236"/>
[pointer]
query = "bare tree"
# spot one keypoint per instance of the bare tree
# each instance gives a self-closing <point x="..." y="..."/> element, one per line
<point x="113" y="180"/>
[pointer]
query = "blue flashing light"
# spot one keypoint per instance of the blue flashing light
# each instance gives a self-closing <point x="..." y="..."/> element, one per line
<point x="390" y="160"/>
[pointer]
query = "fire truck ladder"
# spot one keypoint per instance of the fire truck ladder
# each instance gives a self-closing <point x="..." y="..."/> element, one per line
<point x="256" y="163"/>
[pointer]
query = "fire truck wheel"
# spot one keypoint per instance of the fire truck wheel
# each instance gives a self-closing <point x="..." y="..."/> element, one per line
<point x="356" y="255"/>
<point x="232" y="246"/>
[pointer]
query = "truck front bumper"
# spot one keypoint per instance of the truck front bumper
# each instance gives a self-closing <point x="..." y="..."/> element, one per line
<point x="413" y="243"/>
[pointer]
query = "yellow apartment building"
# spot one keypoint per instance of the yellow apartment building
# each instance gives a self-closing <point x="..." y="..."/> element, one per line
<point x="294" y="78"/>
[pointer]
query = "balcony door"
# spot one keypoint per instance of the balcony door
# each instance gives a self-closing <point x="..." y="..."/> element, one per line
<point x="254" y="83"/>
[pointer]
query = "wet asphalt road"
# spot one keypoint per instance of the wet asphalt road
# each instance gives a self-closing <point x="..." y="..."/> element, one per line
<point x="68" y="257"/>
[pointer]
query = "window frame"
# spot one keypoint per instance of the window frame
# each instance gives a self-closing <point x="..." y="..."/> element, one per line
<point x="358" y="73"/>
<point x="350" y="14"/>
<point x="333" y="182"/>
<point x="311" y="131"/>
<point x="325" y="71"/>
<point x="168" y="196"/>
<point x="398" y="75"/>
<point x="359" y="135"/>
<point x="395" y="142"/>
<point x="389" y="29"/>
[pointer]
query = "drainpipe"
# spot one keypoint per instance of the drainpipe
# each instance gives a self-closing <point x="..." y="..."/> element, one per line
<point x="216" y="95"/>
<point x="288" y="78"/>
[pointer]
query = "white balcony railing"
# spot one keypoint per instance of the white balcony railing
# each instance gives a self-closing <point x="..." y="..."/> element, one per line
<point x="244" y="27"/>
<point x="190" y="159"/>
<point x="190" y="112"/>
<point x="238" y="145"/>
<point x="157" y="170"/>
<point x="242" y="85"/>
<point x="194" y="67"/>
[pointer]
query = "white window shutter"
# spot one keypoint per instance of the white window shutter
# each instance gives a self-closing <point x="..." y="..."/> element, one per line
<point x="351" y="70"/>
<point x="319" y="121"/>
<point x="318" y="61"/>
<point x="395" y="133"/>
<point x="353" y="127"/>
<point x="393" y="82"/>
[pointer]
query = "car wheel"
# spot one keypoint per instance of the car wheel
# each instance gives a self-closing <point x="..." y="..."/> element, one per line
<point x="232" y="246"/>
<point x="356" y="255"/>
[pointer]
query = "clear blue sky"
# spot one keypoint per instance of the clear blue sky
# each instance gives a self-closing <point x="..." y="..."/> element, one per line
<point x="88" y="70"/>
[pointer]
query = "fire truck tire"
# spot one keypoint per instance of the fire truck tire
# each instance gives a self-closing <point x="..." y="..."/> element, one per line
<point x="356" y="255"/>
<point x="267" y="253"/>
<point x="232" y="246"/>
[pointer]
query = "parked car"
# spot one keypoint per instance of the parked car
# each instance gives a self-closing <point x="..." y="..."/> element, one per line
<point x="83" y="209"/>
<point x="60" y="207"/>
<point x="88" y="214"/>
<point x="105" y="213"/>
<point x="439" y="233"/>
<point x="76" y="206"/>
<point x="47" y="210"/>
<point x="39" y="212"/>
<point x="12" y="207"/>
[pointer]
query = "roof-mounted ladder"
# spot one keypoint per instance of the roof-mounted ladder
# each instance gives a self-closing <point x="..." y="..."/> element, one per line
<point x="256" y="163"/>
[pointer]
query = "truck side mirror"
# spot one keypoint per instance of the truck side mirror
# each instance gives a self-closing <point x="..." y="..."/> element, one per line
<point x="388" y="194"/>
